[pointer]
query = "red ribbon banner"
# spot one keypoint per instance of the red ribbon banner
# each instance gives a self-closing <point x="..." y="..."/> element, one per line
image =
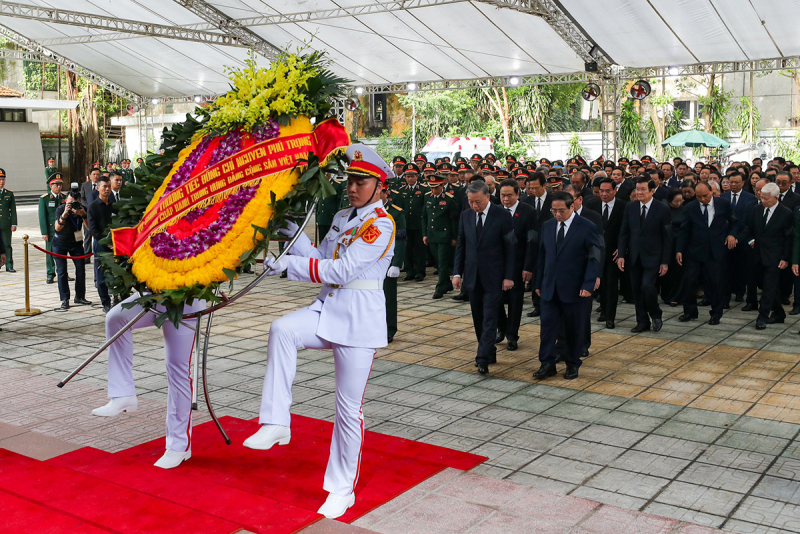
<point x="259" y="160"/>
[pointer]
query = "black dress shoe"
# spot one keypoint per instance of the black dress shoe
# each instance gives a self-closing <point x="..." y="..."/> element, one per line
<point x="71" y="279"/>
<point x="499" y="337"/>
<point x="760" y="324"/>
<point x="795" y="311"/>
<point x="106" y="308"/>
<point x="64" y="304"/>
<point x="775" y="320"/>
<point x="390" y="339"/>
<point x="585" y="353"/>
<point x="436" y="271"/>
<point x="704" y="302"/>
<point x="460" y="296"/>
<point x="545" y="371"/>
<point x="420" y="278"/>
<point x="785" y="301"/>
<point x="8" y="269"/>
<point x="750" y="307"/>
<point x="640" y="328"/>
<point x="657" y="324"/>
<point x="739" y="298"/>
<point x="512" y="345"/>
<point x="713" y="321"/>
<point x="534" y="313"/>
<point x="437" y="296"/>
<point x="686" y="317"/>
<point x="727" y="306"/>
<point x="83" y="301"/>
<point x="571" y="373"/>
<point x="50" y="280"/>
<point x="483" y="369"/>
<point x="599" y="309"/>
<point x="408" y="278"/>
<point x="602" y="318"/>
<point x="610" y="325"/>
<point x="284" y="274"/>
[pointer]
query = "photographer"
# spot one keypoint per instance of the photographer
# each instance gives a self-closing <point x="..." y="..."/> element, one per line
<point x="99" y="220"/>
<point x="68" y="240"/>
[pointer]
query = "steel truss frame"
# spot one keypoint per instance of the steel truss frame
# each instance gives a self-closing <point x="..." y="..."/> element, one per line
<point x="101" y="22"/>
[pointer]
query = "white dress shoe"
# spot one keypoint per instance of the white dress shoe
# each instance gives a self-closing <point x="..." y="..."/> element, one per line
<point x="116" y="406"/>
<point x="267" y="436"/>
<point x="172" y="459"/>
<point x="336" y="505"/>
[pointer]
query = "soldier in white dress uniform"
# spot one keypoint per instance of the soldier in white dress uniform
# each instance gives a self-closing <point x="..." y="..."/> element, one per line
<point x="348" y="316"/>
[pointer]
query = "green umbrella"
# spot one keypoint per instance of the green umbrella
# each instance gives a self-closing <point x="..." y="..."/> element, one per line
<point x="695" y="138"/>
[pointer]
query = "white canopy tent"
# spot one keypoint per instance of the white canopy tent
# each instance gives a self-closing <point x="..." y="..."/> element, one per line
<point x="178" y="49"/>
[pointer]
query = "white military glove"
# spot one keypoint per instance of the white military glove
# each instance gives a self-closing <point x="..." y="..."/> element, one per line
<point x="290" y="230"/>
<point x="393" y="272"/>
<point x="276" y="266"/>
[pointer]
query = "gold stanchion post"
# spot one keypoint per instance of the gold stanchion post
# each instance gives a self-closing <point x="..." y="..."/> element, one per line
<point x="27" y="310"/>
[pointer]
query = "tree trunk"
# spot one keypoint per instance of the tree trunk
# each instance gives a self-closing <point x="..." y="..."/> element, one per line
<point x="659" y="128"/>
<point x="501" y="107"/>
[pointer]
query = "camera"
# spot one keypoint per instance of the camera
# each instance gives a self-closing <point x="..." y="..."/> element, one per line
<point x="75" y="191"/>
<point x="76" y="205"/>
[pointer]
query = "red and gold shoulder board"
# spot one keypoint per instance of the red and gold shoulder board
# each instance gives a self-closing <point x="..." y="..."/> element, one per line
<point x="380" y="213"/>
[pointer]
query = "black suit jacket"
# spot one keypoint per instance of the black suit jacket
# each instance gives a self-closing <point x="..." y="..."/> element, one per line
<point x="790" y="200"/>
<point x="490" y="257"/>
<point x="742" y="208"/>
<point x="699" y="241"/>
<point x="661" y="193"/>
<point x="86" y="193"/>
<point x="773" y="242"/>
<point x="612" y="228"/>
<point x="524" y="221"/>
<point x="574" y="266"/>
<point x="544" y="213"/>
<point x="624" y="191"/>
<point x="652" y="244"/>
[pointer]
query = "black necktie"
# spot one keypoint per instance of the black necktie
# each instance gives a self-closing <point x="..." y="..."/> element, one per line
<point x="352" y="215"/>
<point x="538" y="205"/>
<point x="479" y="227"/>
<point x="605" y="215"/>
<point x="705" y="212"/>
<point x="560" y="236"/>
<point x="644" y="214"/>
<point x="780" y="198"/>
<point x="766" y="216"/>
<point x="734" y="199"/>
<point x="508" y="210"/>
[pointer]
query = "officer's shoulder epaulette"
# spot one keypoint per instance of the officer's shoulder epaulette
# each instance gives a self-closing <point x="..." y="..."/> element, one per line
<point x="45" y="195"/>
<point x="398" y="208"/>
<point x="380" y="213"/>
<point x="449" y="195"/>
<point x="428" y="193"/>
<point x="393" y="191"/>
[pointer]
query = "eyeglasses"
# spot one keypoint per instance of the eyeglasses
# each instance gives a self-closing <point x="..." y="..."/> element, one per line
<point x="555" y="211"/>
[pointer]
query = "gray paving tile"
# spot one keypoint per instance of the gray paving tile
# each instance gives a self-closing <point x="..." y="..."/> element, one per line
<point x="549" y="392"/>
<point x="527" y="403"/>
<point x="700" y="498"/>
<point x="753" y="442"/>
<point x="743" y="527"/>
<point x="502" y="384"/>
<point x="634" y="484"/>
<point x="690" y="431"/>
<point x="543" y="483"/>
<point x="419" y="371"/>
<point x="735" y="458"/>
<point x="720" y="477"/>
<point x="767" y="427"/>
<point x="588" y="414"/>
<point x="554" y="425"/>
<point x="586" y="451"/>
<point x="400" y="430"/>
<point x="453" y="406"/>
<point x="631" y="421"/>
<point x="563" y="469"/>
<point x="479" y="394"/>
<point x="525" y="439"/>
<point x="684" y="514"/>
<point x="472" y="428"/>
<point x="395" y="380"/>
<point x="785" y="468"/>
<point x="608" y="497"/>
<point x="706" y="417"/>
<point x="667" y="446"/>
<point x="598" y="400"/>
<point x="504" y="456"/>
<point x="654" y="409"/>
<point x="425" y="419"/>
<point x="610" y="436"/>
<point x="761" y="511"/>
<point x="778" y="489"/>
<point x="503" y="416"/>
<point x="456" y="377"/>
<point x="459" y="443"/>
<point x="650" y="464"/>
<point x="434" y="387"/>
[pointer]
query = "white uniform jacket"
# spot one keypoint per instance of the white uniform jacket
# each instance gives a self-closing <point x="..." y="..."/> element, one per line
<point x="350" y="251"/>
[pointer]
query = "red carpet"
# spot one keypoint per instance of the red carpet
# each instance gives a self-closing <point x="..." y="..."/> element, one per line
<point x="221" y="489"/>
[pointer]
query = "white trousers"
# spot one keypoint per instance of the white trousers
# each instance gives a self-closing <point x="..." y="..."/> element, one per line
<point x="179" y="346"/>
<point x="352" y="366"/>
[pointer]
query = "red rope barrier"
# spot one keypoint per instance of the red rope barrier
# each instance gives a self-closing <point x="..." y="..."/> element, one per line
<point x="61" y="255"/>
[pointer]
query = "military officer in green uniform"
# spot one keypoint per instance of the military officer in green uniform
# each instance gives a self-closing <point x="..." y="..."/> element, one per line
<point x="8" y="219"/>
<point x="414" y="203"/>
<point x="47" y="219"/>
<point x="328" y="207"/>
<point x="390" y="197"/>
<point x="398" y="163"/>
<point x="441" y="230"/>
<point x="127" y="173"/>
<point x="50" y="169"/>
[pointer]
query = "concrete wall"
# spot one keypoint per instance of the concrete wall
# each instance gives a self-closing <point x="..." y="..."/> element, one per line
<point x="21" y="157"/>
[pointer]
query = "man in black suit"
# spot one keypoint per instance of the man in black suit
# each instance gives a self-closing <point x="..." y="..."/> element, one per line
<point x="769" y="231"/>
<point x="484" y="263"/>
<point x="540" y="200"/>
<point x="645" y="246"/>
<point x="661" y="192"/>
<point x="740" y="259"/>
<point x="579" y="181"/>
<point x="523" y="219"/>
<point x="790" y="200"/>
<point x="624" y="186"/>
<point x="705" y="233"/>
<point x="568" y="271"/>
<point x="87" y="188"/>
<point x="611" y="211"/>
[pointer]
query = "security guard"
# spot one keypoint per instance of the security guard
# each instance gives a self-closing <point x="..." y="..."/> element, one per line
<point x="8" y="219"/>
<point x="441" y="230"/>
<point x="389" y="197"/>
<point x="414" y="201"/>
<point x="48" y="203"/>
<point x="50" y="169"/>
<point x="328" y="207"/>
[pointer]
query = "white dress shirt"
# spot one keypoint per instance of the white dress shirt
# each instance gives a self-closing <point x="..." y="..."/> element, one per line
<point x="485" y="213"/>
<point x="567" y="224"/>
<point x="513" y="209"/>
<point x="711" y="211"/>
<point x="538" y="202"/>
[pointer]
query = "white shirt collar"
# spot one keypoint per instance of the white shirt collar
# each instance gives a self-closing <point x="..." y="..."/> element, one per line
<point x="610" y="204"/>
<point x="648" y="205"/>
<point x="512" y="209"/>
<point x="485" y="213"/>
<point x="579" y="210"/>
<point x="567" y="224"/>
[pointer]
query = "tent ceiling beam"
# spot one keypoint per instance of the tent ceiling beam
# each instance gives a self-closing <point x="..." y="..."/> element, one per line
<point x="477" y="83"/>
<point x="231" y="26"/>
<point x="714" y="67"/>
<point x="48" y="56"/>
<point x="115" y="24"/>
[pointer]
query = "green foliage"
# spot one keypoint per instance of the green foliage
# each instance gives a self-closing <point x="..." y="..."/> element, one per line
<point x="630" y="130"/>
<point x="718" y="105"/>
<point x="389" y="147"/>
<point x="674" y="123"/>
<point x="742" y="120"/>
<point x="787" y="149"/>
<point x="33" y="71"/>
<point x="574" y="148"/>
<point x="516" y="149"/>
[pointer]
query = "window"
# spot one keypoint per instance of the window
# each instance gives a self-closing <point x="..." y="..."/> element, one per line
<point x="688" y="107"/>
<point x="12" y="115"/>
<point x="377" y="110"/>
